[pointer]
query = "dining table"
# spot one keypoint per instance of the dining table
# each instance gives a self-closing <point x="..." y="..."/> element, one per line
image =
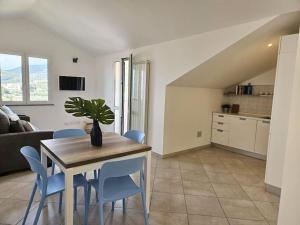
<point x="77" y="155"/>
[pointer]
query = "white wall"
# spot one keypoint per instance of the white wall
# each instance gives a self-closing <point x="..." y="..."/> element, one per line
<point x="21" y="36"/>
<point x="187" y="111"/>
<point x="290" y="194"/>
<point x="266" y="78"/>
<point x="170" y="60"/>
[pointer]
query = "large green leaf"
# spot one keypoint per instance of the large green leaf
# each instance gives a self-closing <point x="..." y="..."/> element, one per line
<point x="94" y="109"/>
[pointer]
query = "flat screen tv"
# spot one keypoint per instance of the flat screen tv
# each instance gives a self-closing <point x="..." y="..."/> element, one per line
<point x="71" y="83"/>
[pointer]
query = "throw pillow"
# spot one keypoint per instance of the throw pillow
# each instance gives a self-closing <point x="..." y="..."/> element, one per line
<point x="11" y="115"/>
<point x="16" y="126"/>
<point x="4" y="123"/>
<point x="26" y="125"/>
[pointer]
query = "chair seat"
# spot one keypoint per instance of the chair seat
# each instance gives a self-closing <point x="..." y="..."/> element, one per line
<point x="117" y="188"/>
<point x="56" y="183"/>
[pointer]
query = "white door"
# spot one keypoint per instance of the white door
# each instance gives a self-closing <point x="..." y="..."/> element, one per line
<point x="242" y="133"/>
<point x="262" y="137"/>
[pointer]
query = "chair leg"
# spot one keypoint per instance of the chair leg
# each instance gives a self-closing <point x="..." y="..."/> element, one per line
<point x="95" y="174"/>
<point x="29" y="203"/>
<point x="124" y="205"/>
<point x="60" y="201"/>
<point x="101" y="214"/>
<point x="38" y="213"/>
<point x="52" y="168"/>
<point x="75" y="198"/>
<point x="87" y="194"/>
<point x="112" y="206"/>
<point x="145" y="209"/>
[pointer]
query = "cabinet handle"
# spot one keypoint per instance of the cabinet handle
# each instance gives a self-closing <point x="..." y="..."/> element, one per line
<point x="266" y="121"/>
<point x="242" y="118"/>
<point x="220" y="116"/>
<point x="220" y="123"/>
<point x="219" y="130"/>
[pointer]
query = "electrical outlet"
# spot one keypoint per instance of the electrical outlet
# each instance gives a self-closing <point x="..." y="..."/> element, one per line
<point x="199" y="133"/>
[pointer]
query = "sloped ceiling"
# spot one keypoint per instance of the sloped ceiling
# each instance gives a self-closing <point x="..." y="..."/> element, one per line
<point x="106" y="26"/>
<point x="243" y="60"/>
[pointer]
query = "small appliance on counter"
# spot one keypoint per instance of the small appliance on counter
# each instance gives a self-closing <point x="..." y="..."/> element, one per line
<point x="226" y="108"/>
<point x="235" y="108"/>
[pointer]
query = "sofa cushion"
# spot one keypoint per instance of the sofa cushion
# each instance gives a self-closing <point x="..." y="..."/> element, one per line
<point x="16" y="126"/>
<point x="4" y="123"/>
<point x="11" y="115"/>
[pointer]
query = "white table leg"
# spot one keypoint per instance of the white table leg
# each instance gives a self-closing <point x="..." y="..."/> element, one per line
<point x="43" y="158"/>
<point x="148" y="180"/>
<point x="68" y="197"/>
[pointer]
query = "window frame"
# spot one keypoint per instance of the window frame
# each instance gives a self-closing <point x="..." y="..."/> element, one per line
<point x="25" y="80"/>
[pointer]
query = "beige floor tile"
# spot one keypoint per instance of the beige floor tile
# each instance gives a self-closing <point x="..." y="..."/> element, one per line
<point x="230" y="191"/>
<point x="240" y="170"/>
<point x="11" y="210"/>
<point x="170" y="174"/>
<point x="117" y="217"/>
<point x="169" y="186"/>
<point x="164" y="202"/>
<point x="268" y="209"/>
<point x="246" y="222"/>
<point x="7" y="189"/>
<point x="240" y="209"/>
<point x="21" y="177"/>
<point x="249" y="180"/>
<point x="169" y="163"/>
<point x="209" y="159"/>
<point x="260" y="194"/>
<point x="157" y="218"/>
<point x="221" y="178"/>
<point x="24" y="192"/>
<point x="206" y="220"/>
<point x="194" y="175"/>
<point x="135" y="202"/>
<point x="94" y="214"/>
<point x="198" y="188"/>
<point x="191" y="166"/>
<point x="216" y="168"/>
<point x="207" y="206"/>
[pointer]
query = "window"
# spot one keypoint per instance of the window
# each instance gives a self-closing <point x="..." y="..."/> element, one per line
<point x="24" y="80"/>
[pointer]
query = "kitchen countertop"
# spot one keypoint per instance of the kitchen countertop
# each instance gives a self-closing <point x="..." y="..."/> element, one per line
<point x="248" y="115"/>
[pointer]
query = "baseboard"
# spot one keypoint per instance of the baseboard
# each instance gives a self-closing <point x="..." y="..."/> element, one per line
<point x="274" y="190"/>
<point x="240" y="151"/>
<point x="185" y="151"/>
<point x="155" y="154"/>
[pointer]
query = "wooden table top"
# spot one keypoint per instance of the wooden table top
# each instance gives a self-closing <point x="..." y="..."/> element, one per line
<point x="78" y="151"/>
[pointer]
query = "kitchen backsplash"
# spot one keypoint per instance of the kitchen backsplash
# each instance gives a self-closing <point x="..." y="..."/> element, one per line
<point x="251" y="104"/>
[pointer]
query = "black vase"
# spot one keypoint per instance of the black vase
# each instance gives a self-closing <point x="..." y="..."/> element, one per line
<point x="96" y="134"/>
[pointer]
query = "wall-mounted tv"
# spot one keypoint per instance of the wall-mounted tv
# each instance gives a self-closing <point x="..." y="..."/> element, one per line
<point x="71" y="83"/>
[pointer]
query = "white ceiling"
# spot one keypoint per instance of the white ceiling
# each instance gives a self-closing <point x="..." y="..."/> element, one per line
<point x="106" y="26"/>
<point x="245" y="59"/>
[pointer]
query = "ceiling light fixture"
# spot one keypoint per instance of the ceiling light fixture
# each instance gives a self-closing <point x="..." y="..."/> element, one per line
<point x="270" y="45"/>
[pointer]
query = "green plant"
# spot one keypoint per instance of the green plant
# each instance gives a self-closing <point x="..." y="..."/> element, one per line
<point x="94" y="109"/>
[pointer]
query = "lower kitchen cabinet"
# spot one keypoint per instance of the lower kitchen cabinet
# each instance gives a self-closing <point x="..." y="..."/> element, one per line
<point x="262" y="137"/>
<point x="242" y="133"/>
<point x="220" y="136"/>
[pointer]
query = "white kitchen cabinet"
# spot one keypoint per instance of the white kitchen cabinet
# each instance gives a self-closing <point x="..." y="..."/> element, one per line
<point x="242" y="133"/>
<point x="220" y="136"/>
<point x="262" y="137"/>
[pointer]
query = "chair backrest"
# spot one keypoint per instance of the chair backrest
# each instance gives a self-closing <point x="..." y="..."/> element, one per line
<point x="135" y="135"/>
<point x="65" y="133"/>
<point x="120" y="168"/>
<point x="33" y="158"/>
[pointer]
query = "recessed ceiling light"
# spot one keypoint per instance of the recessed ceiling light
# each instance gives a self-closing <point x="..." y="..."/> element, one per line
<point x="270" y="45"/>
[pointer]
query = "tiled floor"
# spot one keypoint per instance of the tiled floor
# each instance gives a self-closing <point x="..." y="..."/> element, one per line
<point x="206" y="187"/>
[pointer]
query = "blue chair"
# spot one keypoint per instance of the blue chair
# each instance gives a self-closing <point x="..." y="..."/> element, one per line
<point x="114" y="183"/>
<point x="66" y="133"/>
<point x="135" y="135"/>
<point x="48" y="185"/>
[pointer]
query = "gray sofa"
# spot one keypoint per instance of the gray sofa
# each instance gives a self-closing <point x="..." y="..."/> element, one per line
<point x="12" y="141"/>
